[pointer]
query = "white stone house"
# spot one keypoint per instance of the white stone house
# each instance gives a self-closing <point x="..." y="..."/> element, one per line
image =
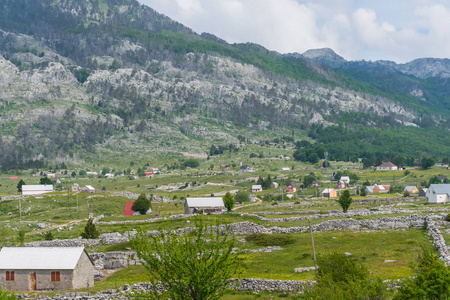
<point x="29" y="189"/>
<point x="206" y="205"/>
<point x="45" y="268"/>
<point x="438" y="193"/>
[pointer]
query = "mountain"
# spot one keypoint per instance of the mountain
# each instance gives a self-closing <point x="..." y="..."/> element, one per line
<point x="90" y="81"/>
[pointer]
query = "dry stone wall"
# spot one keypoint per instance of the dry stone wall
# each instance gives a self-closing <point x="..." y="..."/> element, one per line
<point x="246" y="284"/>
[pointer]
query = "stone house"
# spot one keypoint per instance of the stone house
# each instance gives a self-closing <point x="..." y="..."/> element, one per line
<point x="45" y="268"/>
<point x="206" y="205"/>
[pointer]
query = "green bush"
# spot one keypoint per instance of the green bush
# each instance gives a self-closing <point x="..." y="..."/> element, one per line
<point x="263" y="239"/>
<point x="142" y="204"/>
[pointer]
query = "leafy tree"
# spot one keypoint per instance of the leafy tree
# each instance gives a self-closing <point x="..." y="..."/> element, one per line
<point x="191" y="162"/>
<point x="81" y="74"/>
<point x="197" y="265"/>
<point x="105" y="170"/>
<point x="431" y="280"/>
<point x="228" y="201"/>
<point x="341" y="277"/>
<point x="427" y="162"/>
<point x="19" y="185"/>
<point x="74" y="174"/>
<point x="308" y="180"/>
<point x="90" y="231"/>
<point x="241" y="196"/>
<point x="142" y="204"/>
<point x="82" y="173"/>
<point x="45" y="180"/>
<point x="345" y="200"/>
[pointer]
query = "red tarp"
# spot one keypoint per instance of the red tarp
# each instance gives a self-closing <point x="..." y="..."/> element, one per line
<point x="128" y="211"/>
<point x="13" y="177"/>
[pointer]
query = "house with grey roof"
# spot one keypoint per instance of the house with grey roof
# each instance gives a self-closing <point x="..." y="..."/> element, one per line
<point x="206" y="205"/>
<point x="438" y="193"/>
<point x="45" y="268"/>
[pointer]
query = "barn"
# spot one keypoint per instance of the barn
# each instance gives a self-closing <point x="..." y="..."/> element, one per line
<point x="45" y="268"/>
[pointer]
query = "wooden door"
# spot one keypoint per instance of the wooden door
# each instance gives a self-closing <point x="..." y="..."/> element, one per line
<point x="33" y="281"/>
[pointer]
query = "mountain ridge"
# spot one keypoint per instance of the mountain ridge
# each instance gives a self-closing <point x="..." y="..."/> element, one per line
<point x="118" y="74"/>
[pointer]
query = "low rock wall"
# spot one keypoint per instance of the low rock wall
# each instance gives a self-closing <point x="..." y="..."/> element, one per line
<point x="438" y="239"/>
<point x="246" y="284"/>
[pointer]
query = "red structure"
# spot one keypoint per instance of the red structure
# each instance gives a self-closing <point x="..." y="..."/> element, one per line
<point x="128" y="211"/>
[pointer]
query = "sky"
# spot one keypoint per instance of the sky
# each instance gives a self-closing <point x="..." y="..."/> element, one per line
<point x="397" y="30"/>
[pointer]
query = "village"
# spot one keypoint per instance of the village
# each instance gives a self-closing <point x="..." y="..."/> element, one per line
<point x="49" y="218"/>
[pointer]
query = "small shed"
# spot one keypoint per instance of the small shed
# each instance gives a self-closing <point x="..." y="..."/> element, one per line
<point x="45" y="268"/>
<point x="329" y="193"/>
<point x="38" y="189"/>
<point x="207" y="205"/>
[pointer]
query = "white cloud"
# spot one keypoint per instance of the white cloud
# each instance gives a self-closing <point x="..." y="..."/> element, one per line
<point x="355" y="29"/>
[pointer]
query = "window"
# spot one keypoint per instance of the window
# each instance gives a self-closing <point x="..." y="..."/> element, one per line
<point x="55" y="276"/>
<point x="9" y="275"/>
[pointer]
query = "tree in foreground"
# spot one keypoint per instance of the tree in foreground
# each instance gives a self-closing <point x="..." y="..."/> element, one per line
<point x="142" y="204"/>
<point x="228" y="201"/>
<point x="341" y="277"/>
<point x="430" y="281"/>
<point x="90" y="231"/>
<point x="345" y="200"/>
<point x="196" y="265"/>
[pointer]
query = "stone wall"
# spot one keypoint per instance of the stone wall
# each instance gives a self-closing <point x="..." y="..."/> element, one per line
<point x="246" y="284"/>
<point x="438" y="239"/>
<point x="339" y="214"/>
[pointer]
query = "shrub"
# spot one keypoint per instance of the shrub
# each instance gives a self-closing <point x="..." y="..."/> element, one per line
<point x="48" y="236"/>
<point x="142" y="204"/>
<point x="263" y="239"/>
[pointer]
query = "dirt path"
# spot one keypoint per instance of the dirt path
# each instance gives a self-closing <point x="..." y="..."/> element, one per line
<point x="245" y="205"/>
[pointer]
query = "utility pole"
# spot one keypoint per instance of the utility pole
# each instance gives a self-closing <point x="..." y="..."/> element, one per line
<point x="312" y="243"/>
<point x="20" y="210"/>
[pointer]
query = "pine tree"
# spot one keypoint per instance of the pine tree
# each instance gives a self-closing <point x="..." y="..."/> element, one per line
<point x="90" y="231"/>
